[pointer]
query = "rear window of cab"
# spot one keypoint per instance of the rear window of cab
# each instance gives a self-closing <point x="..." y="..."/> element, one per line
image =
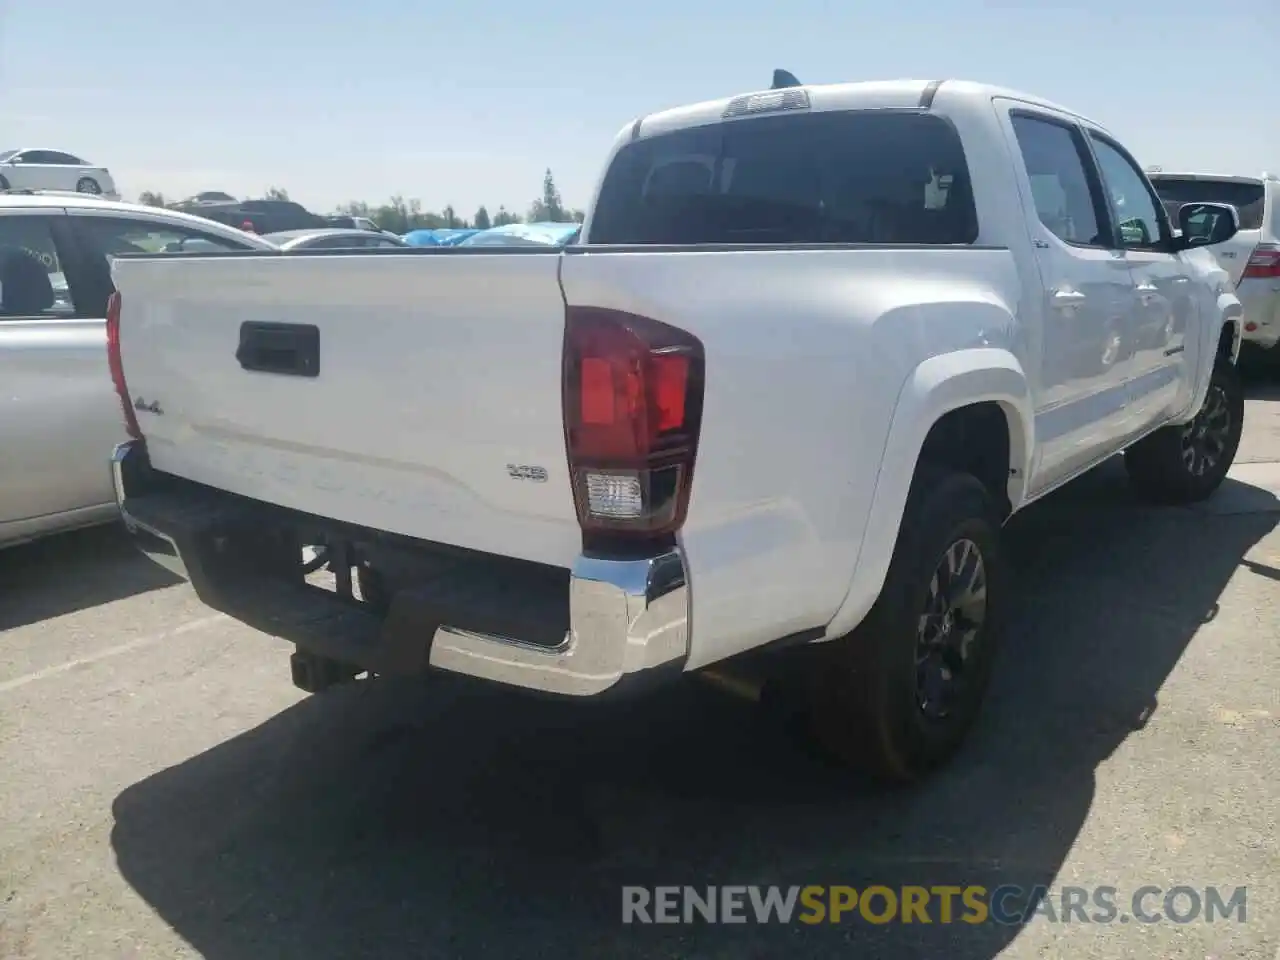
<point x="862" y="176"/>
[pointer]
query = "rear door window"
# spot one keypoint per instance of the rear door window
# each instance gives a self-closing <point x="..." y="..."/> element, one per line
<point x="33" y="277"/>
<point x="1058" y="168"/>
<point x="101" y="238"/>
<point x="1248" y="197"/>
<point x="116" y="235"/>
<point x="869" y="176"/>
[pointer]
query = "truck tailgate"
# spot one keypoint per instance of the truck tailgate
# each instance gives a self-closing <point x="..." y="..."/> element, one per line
<point x="432" y="408"/>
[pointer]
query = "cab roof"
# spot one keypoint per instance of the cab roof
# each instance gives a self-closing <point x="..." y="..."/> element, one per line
<point x="864" y="94"/>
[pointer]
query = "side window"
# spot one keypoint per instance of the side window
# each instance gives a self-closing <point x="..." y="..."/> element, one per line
<point x="104" y="237"/>
<point x="1136" y="211"/>
<point x="112" y="235"/>
<point x="36" y="156"/>
<point x="1057" y="167"/>
<point x="32" y="282"/>
<point x="52" y="156"/>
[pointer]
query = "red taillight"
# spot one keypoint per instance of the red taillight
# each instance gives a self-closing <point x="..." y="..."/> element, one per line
<point x="1264" y="263"/>
<point x="117" y="366"/>
<point x="632" y="394"/>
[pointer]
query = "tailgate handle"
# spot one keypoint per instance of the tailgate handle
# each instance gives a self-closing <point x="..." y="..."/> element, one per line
<point x="291" y="349"/>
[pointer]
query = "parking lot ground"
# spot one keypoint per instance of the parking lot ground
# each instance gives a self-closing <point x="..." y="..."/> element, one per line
<point x="165" y="792"/>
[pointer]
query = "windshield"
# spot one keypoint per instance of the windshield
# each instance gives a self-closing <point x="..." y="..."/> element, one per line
<point x="1247" y="196"/>
<point x="7" y="154"/>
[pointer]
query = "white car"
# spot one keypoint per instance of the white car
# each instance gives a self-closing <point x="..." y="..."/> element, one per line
<point x="59" y="408"/>
<point x="40" y="169"/>
<point x="1252" y="256"/>
<point x="815" y="346"/>
<point x="333" y="238"/>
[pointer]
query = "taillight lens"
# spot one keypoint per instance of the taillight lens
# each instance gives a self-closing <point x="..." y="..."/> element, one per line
<point x="1264" y="263"/>
<point x="632" y="393"/>
<point x="117" y="366"/>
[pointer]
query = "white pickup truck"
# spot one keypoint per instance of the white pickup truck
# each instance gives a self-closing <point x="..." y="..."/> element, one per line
<point x="816" y="345"/>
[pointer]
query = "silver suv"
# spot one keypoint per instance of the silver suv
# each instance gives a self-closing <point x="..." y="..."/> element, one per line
<point x="1252" y="256"/>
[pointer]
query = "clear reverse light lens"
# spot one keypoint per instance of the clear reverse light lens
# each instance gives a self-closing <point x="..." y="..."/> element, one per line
<point x="614" y="495"/>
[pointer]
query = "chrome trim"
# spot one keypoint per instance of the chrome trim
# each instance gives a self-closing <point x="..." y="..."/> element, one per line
<point x="127" y="456"/>
<point x="119" y="455"/>
<point x="625" y="616"/>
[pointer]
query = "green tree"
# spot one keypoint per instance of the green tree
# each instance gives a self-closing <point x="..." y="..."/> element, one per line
<point x="151" y="198"/>
<point x="277" y="193"/>
<point x="393" y="215"/>
<point x="549" y="205"/>
<point x="504" y="217"/>
<point x="481" y="219"/>
<point x="451" y="217"/>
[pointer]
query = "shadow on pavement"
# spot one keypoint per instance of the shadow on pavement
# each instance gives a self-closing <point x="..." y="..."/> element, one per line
<point x="1259" y="377"/>
<point x="73" y="571"/>
<point x="441" y="819"/>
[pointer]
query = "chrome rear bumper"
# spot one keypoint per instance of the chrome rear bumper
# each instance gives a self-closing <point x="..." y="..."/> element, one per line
<point x="627" y="618"/>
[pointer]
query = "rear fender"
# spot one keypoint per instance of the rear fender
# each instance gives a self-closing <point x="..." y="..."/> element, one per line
<point x="936" y="387"/>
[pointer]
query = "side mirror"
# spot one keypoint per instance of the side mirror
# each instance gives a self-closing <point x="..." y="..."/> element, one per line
<point x="1204" y="224"/>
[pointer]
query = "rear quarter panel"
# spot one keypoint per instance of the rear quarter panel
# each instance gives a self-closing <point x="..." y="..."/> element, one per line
<point x="808" y="353"/>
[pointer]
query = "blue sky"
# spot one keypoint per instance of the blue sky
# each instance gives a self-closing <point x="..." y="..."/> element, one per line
<point x="468" y="101"/>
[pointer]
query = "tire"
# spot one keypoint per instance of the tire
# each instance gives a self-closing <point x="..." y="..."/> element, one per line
<point x="1186" y="463"/>
<point x="88" y="185"/>
<point x="870" y="702"/>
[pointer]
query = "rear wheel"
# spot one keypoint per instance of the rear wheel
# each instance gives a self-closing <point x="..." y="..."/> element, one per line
<point x="88" y="185"/>
<point x="897" y="696"/>
<point x="1188" y="462"/>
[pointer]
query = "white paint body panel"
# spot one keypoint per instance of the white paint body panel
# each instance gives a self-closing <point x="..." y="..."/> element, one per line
<point x="825" y="370"/>
<point x="436" y="372"/>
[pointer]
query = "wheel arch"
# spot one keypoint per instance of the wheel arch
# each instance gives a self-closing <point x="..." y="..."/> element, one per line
<point x="941" y="404"/>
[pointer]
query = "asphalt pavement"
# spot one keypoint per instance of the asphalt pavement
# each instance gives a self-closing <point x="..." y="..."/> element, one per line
<point x="167" y="793"/>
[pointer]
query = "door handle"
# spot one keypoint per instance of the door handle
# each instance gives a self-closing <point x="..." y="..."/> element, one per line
<point x="1148" y="287"/>
<point x="291" y="349"/>
<point x="1063" y="297"/>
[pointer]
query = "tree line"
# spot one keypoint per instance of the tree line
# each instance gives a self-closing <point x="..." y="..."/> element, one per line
<point x="400" y="215"/>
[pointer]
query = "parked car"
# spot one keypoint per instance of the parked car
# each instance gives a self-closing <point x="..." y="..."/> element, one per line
<point x="333" y="239"/>
<point x="261" y="216"/>
<point x="353" y="223"/>
<point x="815" y="346"/>
<point x="1252" y="256"/>
<point x="524" y="234"/>
<point x="211" y="196"/>
<point x="38" y="169"/>
<point x="59" y="405"/>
